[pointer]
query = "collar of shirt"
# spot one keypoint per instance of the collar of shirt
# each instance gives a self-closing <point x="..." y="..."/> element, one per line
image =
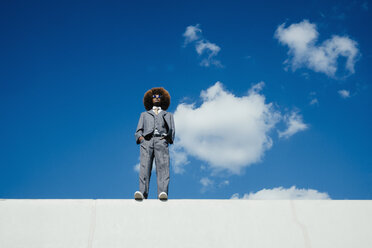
<point x="159" y="109"/>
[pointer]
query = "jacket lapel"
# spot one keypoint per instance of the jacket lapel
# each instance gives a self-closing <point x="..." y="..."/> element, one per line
<point x="151" y="112"/>
<point x="166" y="118"/>
<point x="163" y="113"/>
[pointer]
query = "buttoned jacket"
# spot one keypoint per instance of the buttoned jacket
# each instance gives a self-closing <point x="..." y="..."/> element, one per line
<point x="146" y="125"/>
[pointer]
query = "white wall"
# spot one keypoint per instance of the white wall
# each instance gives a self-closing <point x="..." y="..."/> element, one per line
<point x="185" y="223"/>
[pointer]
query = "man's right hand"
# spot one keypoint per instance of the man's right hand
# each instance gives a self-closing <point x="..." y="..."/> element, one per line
<point x="140" y="139"/>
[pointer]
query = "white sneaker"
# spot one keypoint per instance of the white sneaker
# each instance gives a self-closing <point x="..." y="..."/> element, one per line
<point x="163" y="196"/>
<point x="138" y="195"/>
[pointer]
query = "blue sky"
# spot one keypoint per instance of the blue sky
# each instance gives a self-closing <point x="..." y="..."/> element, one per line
<point x="292" y="78"/>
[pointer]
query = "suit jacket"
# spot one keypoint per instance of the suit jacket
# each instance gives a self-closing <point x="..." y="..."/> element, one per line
<point x="146" y="125"/>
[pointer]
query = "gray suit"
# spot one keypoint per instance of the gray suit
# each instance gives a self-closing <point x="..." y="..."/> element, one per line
<point x="154" y="147"/>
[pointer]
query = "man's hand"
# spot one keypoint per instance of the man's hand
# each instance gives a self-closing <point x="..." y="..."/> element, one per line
<point x="140" y="139"/>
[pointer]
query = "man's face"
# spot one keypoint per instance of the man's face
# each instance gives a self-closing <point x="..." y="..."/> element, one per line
<point x="156" y="99"/>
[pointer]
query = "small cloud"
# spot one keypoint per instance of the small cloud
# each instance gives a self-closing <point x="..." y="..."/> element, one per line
<point x="136" y="168"/>
<point x="208" y="47"/>
<point x="206" y="50"/>
<point x="295" y="124"/>
<point x="306" y="75"/>
<point x="344" y="93"/>
<point x="224" y="183"/>
<point x="314" y="101"/>
<point x="303" y="51"/>
<point x="192" y="33"/>
<point x="256" y="88"/>
<point x="206" y="183"/>
<point x="313" y="98"/>
<point x="281" y="193"/>
<point x="211" y="50"/>
<point x="235" y="196"/>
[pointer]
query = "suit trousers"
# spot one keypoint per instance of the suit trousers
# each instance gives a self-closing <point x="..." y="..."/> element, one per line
<point x="157" y="148"/>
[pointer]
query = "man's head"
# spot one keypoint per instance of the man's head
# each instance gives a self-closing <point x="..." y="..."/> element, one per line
<point x="156" y="100"/>
<point x="156" y="97"/>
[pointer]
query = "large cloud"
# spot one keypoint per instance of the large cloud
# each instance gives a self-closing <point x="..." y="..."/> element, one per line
<point x="226" y="131"/>
<point x="281" y="193"/>
<point x="304" y="52"/>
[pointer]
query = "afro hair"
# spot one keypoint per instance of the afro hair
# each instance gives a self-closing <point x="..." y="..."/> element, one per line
<point x="165" y="98"/>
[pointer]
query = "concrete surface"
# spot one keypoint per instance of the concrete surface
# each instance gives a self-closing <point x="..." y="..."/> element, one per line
<point x="185" y="223"/>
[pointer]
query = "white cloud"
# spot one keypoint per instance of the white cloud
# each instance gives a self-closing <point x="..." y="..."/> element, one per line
<point x="344" y="93"/>
<point x="211" y="49"/>
<point x="314" y="101"/>
<point x="301" y="39"/>
<point x="136" y="167"/>
<point x="313" y="98"/>
<point x="226" y="131"/>
<point x="224" y="183"/>
<point x="192" y="33"/>
<point x="206" y="183"/>
<point x="178" y="159"/>
<point x="294" y="124"/>
<point x="281" y="193"/>
<point x="206" y="50"/>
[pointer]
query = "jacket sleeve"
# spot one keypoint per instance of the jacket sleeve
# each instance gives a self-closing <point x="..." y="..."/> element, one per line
<point x="139" y="129"/>
<point x="172" y="129"/>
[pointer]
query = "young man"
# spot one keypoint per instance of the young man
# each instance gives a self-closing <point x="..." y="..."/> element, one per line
<point x="155" y="131"/>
